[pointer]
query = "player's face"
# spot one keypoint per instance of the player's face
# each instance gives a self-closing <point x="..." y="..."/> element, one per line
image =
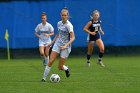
<point x="44" y="18"/>
<point x="64" y="16"/>
<point x="96" y="16"/>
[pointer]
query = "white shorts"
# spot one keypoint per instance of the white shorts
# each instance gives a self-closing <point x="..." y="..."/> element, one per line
<point x="41" y="43"/>
<point x="63" y="53"/>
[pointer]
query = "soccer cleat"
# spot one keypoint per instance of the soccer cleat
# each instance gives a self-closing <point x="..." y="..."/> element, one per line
<point x="44" y="62"/>
<point x="67" y="73"/>
<point x="88" y="63"/>
<point x="101" y="63"/>
<point x="43" y="80"/>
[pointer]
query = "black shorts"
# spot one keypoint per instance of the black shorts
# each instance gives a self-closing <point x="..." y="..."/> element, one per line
<point x="93" y="37"/>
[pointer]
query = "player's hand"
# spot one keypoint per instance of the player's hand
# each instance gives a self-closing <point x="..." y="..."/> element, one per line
<point x="63" y="47"/>
<point x="92" y="33"/>
<point x="102" y="33"/>
<point x="50" y="44"/>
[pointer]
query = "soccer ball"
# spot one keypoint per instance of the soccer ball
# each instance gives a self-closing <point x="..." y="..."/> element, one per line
<point x="54" y="78"/>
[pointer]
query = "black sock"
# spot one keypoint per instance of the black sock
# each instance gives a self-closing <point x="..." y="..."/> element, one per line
<point x="100" y="56"/>
<point x="88" y="57"/>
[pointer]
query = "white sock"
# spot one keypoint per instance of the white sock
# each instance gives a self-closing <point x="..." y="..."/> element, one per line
<point x="46" y="72"/>
<point x="65" y="67"/>
<point x="46" y="58"/>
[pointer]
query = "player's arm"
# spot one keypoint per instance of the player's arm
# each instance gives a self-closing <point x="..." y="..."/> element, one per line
<point x="87" y="27"/>
<point x="36" y="31"/>
<point x="102" y="32"/>
<point x="37" y="35"/>
<point x="54" y="40"/>
<point x="51" y="34"/>
<point x="72" y="38"/>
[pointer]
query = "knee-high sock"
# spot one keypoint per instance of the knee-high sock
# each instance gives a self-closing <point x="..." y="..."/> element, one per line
<point x="88" y="57"/>
<point x="100" y="56"/>
<point x="65" y="67"/>
<point x="46" y="72"/>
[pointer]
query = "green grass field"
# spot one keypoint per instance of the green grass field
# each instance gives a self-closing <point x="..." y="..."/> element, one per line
<point x="121" y="75"/>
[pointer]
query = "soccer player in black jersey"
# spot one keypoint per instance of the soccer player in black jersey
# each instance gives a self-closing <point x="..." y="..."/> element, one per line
<point x="93" y="28"/>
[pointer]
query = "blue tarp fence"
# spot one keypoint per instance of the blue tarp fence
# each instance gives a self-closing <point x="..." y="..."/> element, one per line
<point x="120" y="20"/>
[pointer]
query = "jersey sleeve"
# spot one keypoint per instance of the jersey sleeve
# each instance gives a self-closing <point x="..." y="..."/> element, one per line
<point x="37" y="28"/>
<point x="70" y="28"/>
<point x="58" y="25"/>
<point x="51" y="28"/>
<point x="100" y="22"/>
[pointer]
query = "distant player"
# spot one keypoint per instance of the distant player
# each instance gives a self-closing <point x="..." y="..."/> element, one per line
<point x="93" y="28"/>
<point x="62" y="45"/>
<point x="43" y="31"/>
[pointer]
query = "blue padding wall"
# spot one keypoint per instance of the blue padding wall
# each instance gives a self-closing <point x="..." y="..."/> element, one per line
<point x="120" y="20"/>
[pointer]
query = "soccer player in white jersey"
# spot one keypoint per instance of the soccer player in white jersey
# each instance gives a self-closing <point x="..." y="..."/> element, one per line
<point x="62" y="46"/>
<point x="43" y="31"/>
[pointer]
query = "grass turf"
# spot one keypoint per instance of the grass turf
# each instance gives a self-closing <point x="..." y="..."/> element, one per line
<point x="121" y="75"/>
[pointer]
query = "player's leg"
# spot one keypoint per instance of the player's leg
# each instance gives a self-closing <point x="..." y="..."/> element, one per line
<point x="46" y="59"/>
<point x="61" y="66"/>
<point x="42" y="54"/>
<point x="53" y="56"/>
<point x="89" y="53"/>
<point x="41" y="50"/>
<point x="63" y="56"/>
<point x="100" y="44"/>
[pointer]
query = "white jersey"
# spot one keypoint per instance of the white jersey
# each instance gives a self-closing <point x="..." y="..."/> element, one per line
<point x="42" y="29"/>
<point x="63" y="38"/>
<point x="64" y="32"/>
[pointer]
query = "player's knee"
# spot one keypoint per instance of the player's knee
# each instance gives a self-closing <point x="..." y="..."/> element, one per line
<point x="51" y="61"/>
<point x="60" y="67"/>
<point x="102" y="50"/>
<point x="46" y="53"/>
<point x="42" y="54"/>
<point x="90" y="53"/>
